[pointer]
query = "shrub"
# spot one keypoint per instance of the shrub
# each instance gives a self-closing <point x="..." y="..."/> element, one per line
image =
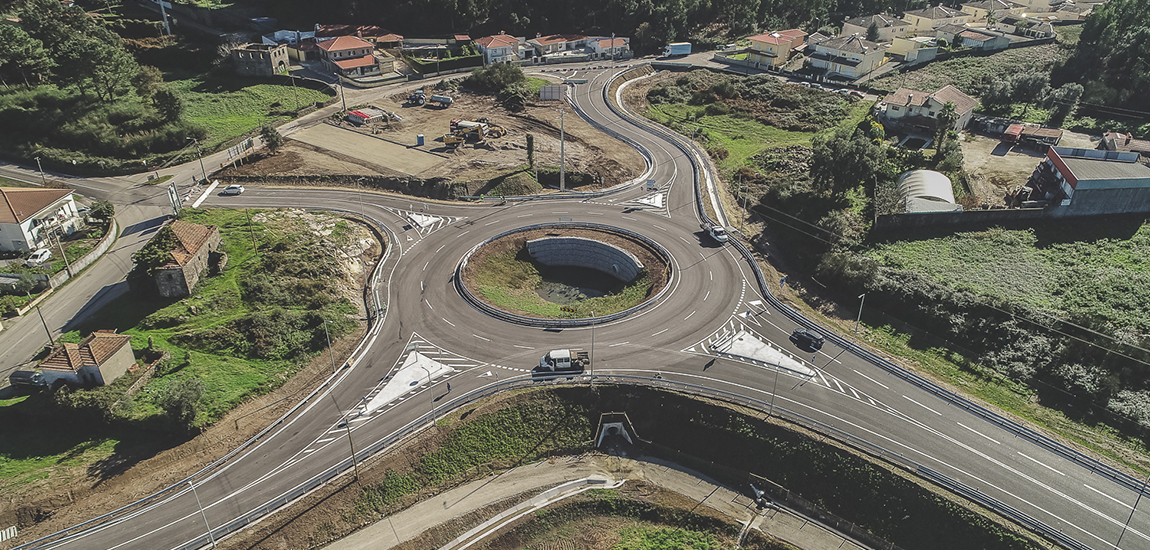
<point x="495" y="78"/>
<point x="181" y="401"/>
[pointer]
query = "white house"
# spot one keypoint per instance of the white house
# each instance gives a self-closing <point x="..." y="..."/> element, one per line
<point x="610" y="47"/>
<point x="925" y="20"/>
<point x="28" y="216"/>
<point x="920" y="109"/>
<point x="889" y="27"/>
<point x="847" y="56"/>
<point x="500" y="48"/>
<point x="556" y="43"/>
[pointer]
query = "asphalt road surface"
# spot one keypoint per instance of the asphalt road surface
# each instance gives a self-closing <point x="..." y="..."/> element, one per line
<point x="710" y="295"/>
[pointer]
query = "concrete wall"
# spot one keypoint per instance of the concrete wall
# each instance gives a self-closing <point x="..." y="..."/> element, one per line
<point x="87" y="259"/>
<point x="177" y="282"/>
<point x="581" y="252"/>
<point x="1087" y="202"/>
<point x="117" y="365"/>
<point x="260" y="60"/>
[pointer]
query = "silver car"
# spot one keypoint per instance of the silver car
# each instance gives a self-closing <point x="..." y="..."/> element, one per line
<point x="233" y="190"/>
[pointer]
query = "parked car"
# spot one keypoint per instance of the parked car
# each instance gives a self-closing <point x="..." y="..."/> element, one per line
<point x="233" y="190"/>
<point x="808" y="340"/>
<point x="805" y="84"/>
<point x="38" y="258"/>
<point x="83" y="210"/>
<point x="858" y="94"/>
<point x="842" y="91"/>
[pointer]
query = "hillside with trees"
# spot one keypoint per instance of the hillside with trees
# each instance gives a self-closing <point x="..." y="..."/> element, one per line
<point x="1112" y="59"/>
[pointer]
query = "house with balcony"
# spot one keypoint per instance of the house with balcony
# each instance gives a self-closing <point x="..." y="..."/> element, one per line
<point x="918" y="109"/>
<point x="558" y="43"/>
<point x="848" y="56"/>
<point x="353" y="57"/>
<point x="926" y="20"/>
<point x="889" y="27"/>
<point x="610" y="48"/>
<point x="772" y="49"/>
<point x="982" y="39"/>
<point x="500" y="48"/>
<point x="28" y="216"/>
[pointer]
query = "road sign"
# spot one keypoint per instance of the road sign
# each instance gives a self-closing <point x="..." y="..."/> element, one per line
<point x="551" y="92"/>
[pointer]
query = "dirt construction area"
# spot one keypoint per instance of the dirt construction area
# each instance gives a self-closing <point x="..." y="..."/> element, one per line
<point x="995" y="167"/>
<point x="390" y="147"/>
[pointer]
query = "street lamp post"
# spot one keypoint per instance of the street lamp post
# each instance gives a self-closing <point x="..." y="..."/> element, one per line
<point x="361" y="209"/>
<point x="342" y="92"/>
<point x="38" y="165"/>
<point x="863" y="298"/>
<point x="1136" y="501"/>
<point x="347" y="427"/>
<point x="330" y="353"/>
<point x="773" y="389"/>
<point x="200" y="154"/>
<point x="562" y="155"/>
<point x="202" y="514"/>
<point x="591" y="362"/>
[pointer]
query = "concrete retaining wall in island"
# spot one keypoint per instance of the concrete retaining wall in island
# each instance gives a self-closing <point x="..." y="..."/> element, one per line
<point x="589" y="253"/>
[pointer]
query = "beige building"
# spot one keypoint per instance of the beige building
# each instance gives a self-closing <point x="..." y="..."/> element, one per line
<point x="928" y="19"/>
<point x="889" y="27"/>
<point x="774" y="48"/>
<point x="979" y="11"/>
<point x="501" y="48"/>
<point x="98" y="360"/>
<point x="920" y="109"/>
<point x="195" y="243"/>
<point x="350" y="56"/>
<point x="848" y="56"/>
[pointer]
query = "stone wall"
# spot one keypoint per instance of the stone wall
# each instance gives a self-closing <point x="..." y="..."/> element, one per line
<point x="589" y="253"/>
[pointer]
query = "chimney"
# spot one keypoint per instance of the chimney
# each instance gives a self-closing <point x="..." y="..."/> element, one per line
<point x="1129" y="137"/>
<point x="909" y="98"/>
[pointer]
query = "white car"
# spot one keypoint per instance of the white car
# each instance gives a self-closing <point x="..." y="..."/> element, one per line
<point x="233" y="190"/>
<point x="38" y="258"/>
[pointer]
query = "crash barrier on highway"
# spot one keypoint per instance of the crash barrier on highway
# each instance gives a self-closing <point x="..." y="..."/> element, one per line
<point x="430" y="418"/>
<point x="558" y="323"/>
<point x="1042" y="440"/>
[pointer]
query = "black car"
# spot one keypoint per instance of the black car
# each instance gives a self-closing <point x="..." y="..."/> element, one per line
<point x="807" y="339"/>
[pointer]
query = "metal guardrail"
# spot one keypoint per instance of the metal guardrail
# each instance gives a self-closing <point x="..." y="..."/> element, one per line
<point x="1020" y="430"/>
<point x="549" y="323"/>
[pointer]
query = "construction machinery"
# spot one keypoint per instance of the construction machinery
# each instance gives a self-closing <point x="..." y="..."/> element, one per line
<point x="466" y="130"/>
<point x="417" y="98"/>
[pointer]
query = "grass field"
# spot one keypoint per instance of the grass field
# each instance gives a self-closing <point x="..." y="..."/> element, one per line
<point x="231" y="107"/>
<point x="969" y="73"/>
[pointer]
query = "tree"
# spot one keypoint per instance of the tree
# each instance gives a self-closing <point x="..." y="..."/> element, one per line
<point x="997" y="94"/>
<point x="272" y="138"/>
<point x="739" y="15"/>
<point x="844" y="160"/>
<point x="1062" y="101"/>
<point x="531" y="151"/>
<point x="103" y="210"/>
<point x="22" y="56"/>
<point x="148" y="81"/>
<point x="1029" y="87"/>
<point x="944" y="123"/>
<point x="168" y="104"/>
<point x="157" y="253"/>
<point x="872" y="32"/>
<point x="181" y="401"/>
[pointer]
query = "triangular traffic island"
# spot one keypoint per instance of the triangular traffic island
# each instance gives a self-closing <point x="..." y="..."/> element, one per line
<point x="418" y="370"/>
<point x="422" y="220"/>
<point x="746" y="345"/>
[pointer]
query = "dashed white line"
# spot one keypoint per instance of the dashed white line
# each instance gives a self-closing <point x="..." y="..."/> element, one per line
<point x="421" y="285"/>
<point x="465" y="232"/>
<point x="921" y="405"/>
<point x="524" y="216"/>
<point x="689" y="316"/>
<point x="661" y="332"/>
<point x="481" y="338"/>
<point x="619" y="344"/>
<point x="595" y="213"/>
<point x="325" y="440"/>
<point x="1108" y="496"/>
<point x="428" y="303"/>
<point x="438" y="249"/>
<point x="854" y="392"/>
<point x="996" y="442"/>
<point x="448" y="322"/>
<point x="705" y="296"/>
<point x="522" y="347"/>
<point x="489" y="223"/>
<point x="711" y="274"/>
<point x="425" y="265"/>
<point x="684" y="240"/>
<point x="657" y="227"/>
<point x="559" y="212"/>
<point x="869" y="378"/>
<point x="841" y="390"/>
<point x="1040" y="464"/>
<point x="626" y="218"/>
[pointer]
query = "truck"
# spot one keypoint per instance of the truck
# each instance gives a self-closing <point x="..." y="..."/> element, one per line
<point x="715" y="231"/>
<point x="442" y="100"/>
<point x="563" y="360"/>
<point x="676" y="49"/>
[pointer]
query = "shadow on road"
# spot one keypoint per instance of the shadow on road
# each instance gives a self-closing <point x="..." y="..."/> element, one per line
<point x="145" y="226"/>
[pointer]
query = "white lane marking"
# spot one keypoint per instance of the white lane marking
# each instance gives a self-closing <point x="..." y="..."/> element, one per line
<point x="421" y="285"/>
<point x="684" y="240"/>
<point x="657" y="227"/>
<point x="1040" y="464"/>
<point x="481" y="338"/>
<point x="921" y="405"/>
<point x="619" y="344"/>
<point x="689" y="316"/>
<point x="559" y="212"/>
<point x="465" y="232"/>
<point x="626" y="218"/>
<point x="976" y="432"/>
<point x="489" y="223"/>
<point x="306" y="451"/>
<point x="438" y="249"/>
<point x="855" y="393"/>
<point x="661" y="332"/>
<point x="841" y="390"/>
<point x="820" y="373"/>
<point x="595" y="213"/>
<point x="428" y="303"/>
<point x="207" y="192"/>
<point x="325" y="440"/>
<point x="522" y="347"/>
<point x="869" y="378"/>
<point x="425" y="265"/>
<point x="705" y="295"/>
<point x="448" y="322"/>
<point x="524" y="216"/>
<point x="1108" y="496"/>
<point x="711" y="274"/>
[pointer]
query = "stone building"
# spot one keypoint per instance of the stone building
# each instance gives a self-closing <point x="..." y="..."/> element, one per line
<point x="261" y="59"/>
<point x="195" y="243"/>
<point x="98" y="360"/>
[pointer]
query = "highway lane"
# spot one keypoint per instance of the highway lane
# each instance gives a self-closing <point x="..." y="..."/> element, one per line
<point x="713" y="290"/>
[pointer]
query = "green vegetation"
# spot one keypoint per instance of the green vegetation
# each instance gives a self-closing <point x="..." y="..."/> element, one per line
<point x="509" y="280"/>
<point x="971" y="73"/>
<point x="648" y="538"/>
<point x="242" y="333"/>
<point x="1111" y="59"/>
<point x="506" y="82"/>
<point x="228" y="107"/>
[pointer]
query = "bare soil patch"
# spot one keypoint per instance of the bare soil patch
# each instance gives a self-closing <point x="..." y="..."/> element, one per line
<point x="389" y="147"/>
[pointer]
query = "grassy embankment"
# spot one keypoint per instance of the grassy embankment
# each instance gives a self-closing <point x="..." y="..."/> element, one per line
<point x="526" y="427"/>
<point x="241" y="333"/>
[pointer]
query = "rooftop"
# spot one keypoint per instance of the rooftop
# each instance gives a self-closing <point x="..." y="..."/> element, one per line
<point x="849" y="44"/>
<point x="948" y="94"/>
<point x="349" y="30"/>
<point x="497" y="40"/>
<point x="880" y="19"/>
<point x="778" y="37"/>
<point x="937" y="12"/>
<point x="17" y="205"/>
<point x="355" y="62"/>
<point x="612" y="43"/>
<point x="1090" y="164"/>
<point x="344" y="43"/>
<point x="189" y="238"/>
<point x="989" y="5"/>
<point x="93" y="350"/>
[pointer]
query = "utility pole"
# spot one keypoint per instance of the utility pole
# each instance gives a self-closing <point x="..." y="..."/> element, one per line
<point x="60" y="245"/>
<point x="591" y="362"/>
<point x="562" y="156"/>
<point x="342" y="92"/>
<point x="200" y="154"/>
<point x="330" y="353"/>
<point x="42" y="180"/>
<point x="863" y="298"/>
<point x="350" y="443"/>
<point x="202" y="514"/>
<point x="51" y="340"/>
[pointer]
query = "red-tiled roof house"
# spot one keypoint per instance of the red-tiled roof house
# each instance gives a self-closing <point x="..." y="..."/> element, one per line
<point x="195" y="243"/>
<point x="101" y="358"/>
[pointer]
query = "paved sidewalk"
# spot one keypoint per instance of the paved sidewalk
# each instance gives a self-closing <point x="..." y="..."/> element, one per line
<point x="409" y="523"/>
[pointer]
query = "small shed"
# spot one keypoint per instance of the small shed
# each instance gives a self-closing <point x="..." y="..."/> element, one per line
<point x="365" y="115"/>
<point x="927" y="191"/>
